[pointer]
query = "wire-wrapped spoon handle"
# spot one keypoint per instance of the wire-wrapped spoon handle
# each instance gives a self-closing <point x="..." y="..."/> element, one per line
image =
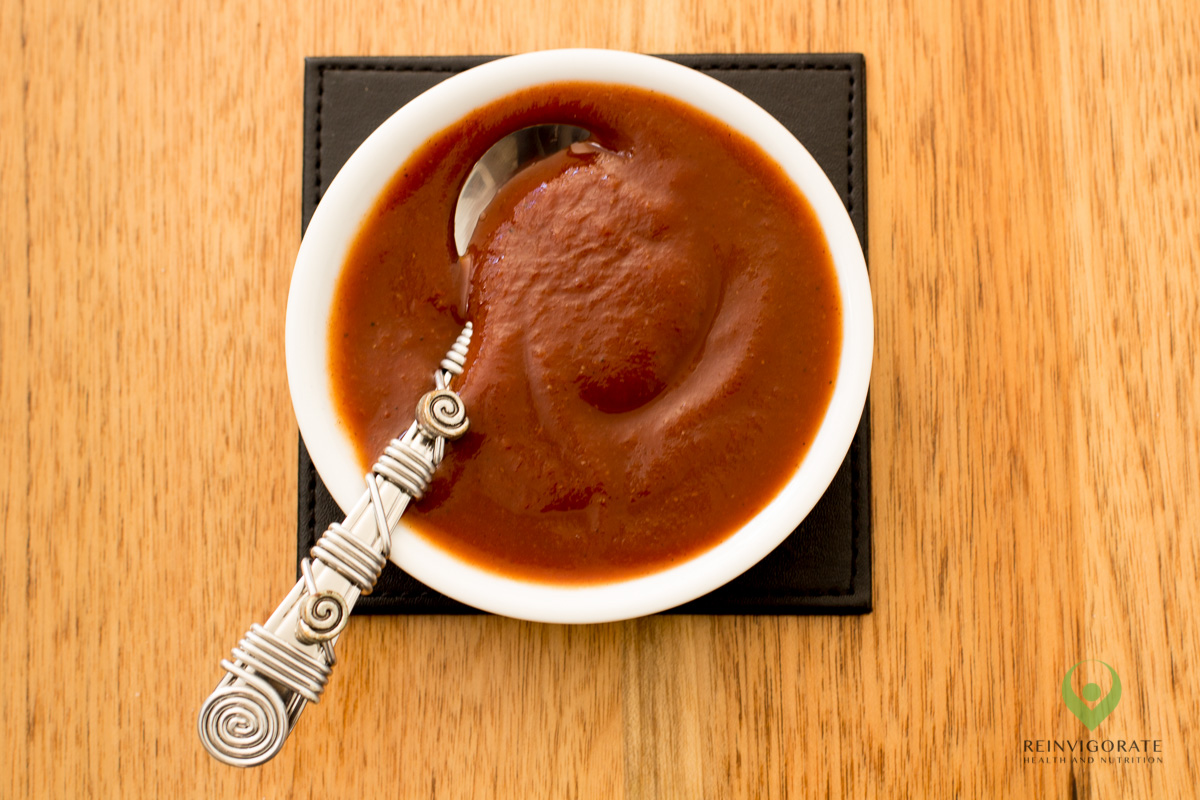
<point x="283" y="664"/>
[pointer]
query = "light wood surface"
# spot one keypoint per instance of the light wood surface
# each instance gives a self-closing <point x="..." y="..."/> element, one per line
<point x="1033" y="171"/>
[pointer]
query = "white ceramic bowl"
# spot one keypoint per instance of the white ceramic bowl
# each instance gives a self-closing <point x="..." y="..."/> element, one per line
<point x="354" y="192"/>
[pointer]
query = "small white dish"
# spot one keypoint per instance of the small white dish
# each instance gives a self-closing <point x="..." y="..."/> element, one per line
<point x="354" y="192"/>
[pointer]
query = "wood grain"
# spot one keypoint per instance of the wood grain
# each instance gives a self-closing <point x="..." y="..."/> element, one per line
<point x="1034" y="229"/>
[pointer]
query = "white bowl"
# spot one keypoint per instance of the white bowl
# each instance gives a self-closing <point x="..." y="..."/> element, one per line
<point x="354" y="192"/>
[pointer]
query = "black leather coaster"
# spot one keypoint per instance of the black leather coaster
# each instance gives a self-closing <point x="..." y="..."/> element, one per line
<point x="824" y="567"/>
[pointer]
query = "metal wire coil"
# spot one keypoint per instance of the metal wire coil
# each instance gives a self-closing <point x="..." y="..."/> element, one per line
<point x="406" y="465"/>
<point x="244" y="722"/>
<point x="340" y="550"/>
<point x="457" y="355"/>
<point x="272" y="657"/>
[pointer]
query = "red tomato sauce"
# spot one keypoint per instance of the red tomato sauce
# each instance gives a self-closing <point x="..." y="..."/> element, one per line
<point x="657" y="333"/>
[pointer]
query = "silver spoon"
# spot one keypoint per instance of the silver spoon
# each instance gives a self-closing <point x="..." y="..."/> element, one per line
<point x="503" y="160"/>
<point x="284" y="664"/>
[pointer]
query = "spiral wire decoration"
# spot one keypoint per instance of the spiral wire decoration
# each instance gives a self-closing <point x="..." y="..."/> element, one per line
<point x="244" y="722"/>
<point x="322" y="617"/>
<point x="442" y="413"/>
<point x="270" y="678"/>
<point x="323" y="614"/>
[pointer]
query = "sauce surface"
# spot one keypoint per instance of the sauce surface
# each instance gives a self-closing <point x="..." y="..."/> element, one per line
<point x="657" y="332"/>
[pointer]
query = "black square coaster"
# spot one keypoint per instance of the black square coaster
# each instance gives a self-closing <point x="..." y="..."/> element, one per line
<point x="824" y="566"/>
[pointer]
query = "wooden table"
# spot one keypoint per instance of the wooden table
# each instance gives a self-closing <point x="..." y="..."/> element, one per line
<point x="1036" y="436"/>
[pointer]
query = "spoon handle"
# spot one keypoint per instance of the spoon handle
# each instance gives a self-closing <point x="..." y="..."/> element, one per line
<point x="282" y="665"/>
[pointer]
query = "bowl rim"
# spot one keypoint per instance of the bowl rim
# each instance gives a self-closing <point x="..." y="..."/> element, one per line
<point x="355" y="190"/>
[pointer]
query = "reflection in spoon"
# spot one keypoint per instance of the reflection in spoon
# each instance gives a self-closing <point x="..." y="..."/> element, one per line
<point x="503" y="160"/>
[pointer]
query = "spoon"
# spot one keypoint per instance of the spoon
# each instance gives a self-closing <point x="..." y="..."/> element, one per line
<point x="284" y="664"/>
<point x="501" y="161"/>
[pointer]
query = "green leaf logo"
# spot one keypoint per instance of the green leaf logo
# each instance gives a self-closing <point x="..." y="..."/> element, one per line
<point x="1091" y="716"/>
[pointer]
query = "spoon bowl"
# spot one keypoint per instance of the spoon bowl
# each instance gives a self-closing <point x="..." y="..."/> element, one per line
<point x="501" y="161"/>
